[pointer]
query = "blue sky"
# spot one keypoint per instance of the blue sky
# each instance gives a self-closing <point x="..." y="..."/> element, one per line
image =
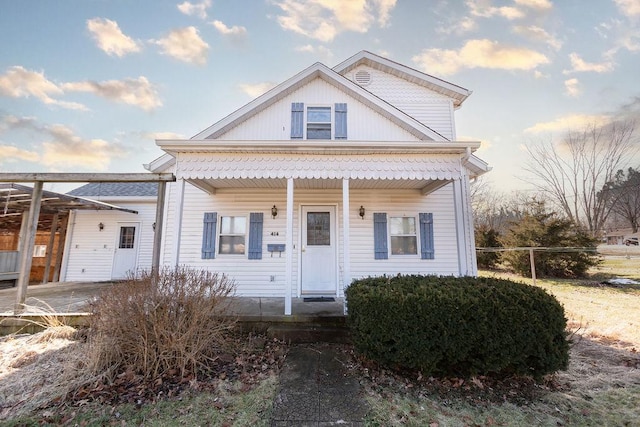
<point x="87" y="85"/>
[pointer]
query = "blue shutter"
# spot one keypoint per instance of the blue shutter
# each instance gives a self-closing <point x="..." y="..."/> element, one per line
<point x="297" y="120"/>
<point x="341" y="121"/>
<point x="209" y="235"/>
<point x="380" y="236"/>
<point x="255" y="235"/>
<point x="426" y="236"/>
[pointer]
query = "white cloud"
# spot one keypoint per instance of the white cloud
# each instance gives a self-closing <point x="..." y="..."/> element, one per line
<point x="195" y="9"/>
<point x="536" y="33"/>
<point x="484" y="9"/>
<point x="324" y="19"/>
<point x="162" y="135"/>
<point x="579" y="65"/>
<point x="19" y="82"/>
<point x="256" y="89"/>
<point x="69" y="151"/>
<point x="137" y="92"/>
<point x="235" y="33"/>
<point x="62" y="148"/>
<point x="535" y="4"/>
<point x="540" y="75"/>
<point x="184" y="44"/>
<point x="572" y="87"/>
<point x="479" y="54"/>
<point x="323" y="51"/>
<point x="571" y="121"/>
<point x="630" y="8"/>
<point x="11" y="154"/>
<point x="110" y="38"/>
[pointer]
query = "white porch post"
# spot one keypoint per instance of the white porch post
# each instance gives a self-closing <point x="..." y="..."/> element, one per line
<point x="460" y="233"/>
<point x="177" y="224"/>
<point x="289" y="250"/>
<point x="346" y="245"/>
<point x="472" y="263"/>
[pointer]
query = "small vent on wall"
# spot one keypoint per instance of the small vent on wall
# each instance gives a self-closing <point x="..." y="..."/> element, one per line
<point x="362" y="77"/>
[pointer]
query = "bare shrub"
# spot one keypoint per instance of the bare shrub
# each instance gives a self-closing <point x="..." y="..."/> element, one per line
<point x="175" y="322"/>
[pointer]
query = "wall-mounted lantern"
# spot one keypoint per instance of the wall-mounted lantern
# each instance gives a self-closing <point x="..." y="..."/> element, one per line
<point x="274" y="212"/>
<point x="361" y="212"/>
<point x="153" y="226"/>
<point x="100" y="226"/>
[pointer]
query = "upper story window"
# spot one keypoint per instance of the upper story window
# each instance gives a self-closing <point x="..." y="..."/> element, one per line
<point x="318" y="122"/>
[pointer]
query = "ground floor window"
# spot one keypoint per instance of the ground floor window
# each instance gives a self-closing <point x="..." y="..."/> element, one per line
<point x="233" y="230"/>
<point x="403" y="236"/>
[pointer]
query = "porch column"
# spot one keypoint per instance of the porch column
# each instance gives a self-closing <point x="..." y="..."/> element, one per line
<point x="289" y="250"/>
<point x="26" y="248"/>
<point x="177" y="225"/>
<point x="464" y="231"/>
<point x="472" y="263"/>
<point x="346" y="245"/>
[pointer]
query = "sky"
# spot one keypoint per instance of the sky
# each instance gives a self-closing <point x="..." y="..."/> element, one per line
<point x="88" y="85"/>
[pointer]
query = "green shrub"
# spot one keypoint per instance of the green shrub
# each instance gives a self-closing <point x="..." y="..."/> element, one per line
<point x="154" y="324"/>
<point x="467" y="326"/>
<point x="487" y="237"/>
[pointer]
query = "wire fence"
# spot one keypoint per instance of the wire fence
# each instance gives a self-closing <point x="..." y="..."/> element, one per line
<point x="533" y="249"/>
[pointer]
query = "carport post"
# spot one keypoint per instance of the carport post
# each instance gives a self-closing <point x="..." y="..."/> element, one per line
<point x="52" y="236"/>
<point x="157" y="236"/>
<point x="26" y="249"/>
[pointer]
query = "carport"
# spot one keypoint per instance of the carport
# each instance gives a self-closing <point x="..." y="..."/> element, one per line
<point x="27" y="209"/>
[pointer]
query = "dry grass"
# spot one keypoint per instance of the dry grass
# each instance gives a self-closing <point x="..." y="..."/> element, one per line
<point x="37" y="369"/>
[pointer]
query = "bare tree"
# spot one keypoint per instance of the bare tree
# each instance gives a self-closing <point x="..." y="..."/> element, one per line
<point x="572" y="173"/>
<point x="623" y="194"/>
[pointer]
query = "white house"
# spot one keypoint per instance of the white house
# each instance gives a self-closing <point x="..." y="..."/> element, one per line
<point x="107" y="245"/>
<point x="335" y="174"/>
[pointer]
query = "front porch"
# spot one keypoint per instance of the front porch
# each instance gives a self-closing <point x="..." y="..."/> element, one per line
<point x="309" y="322"/>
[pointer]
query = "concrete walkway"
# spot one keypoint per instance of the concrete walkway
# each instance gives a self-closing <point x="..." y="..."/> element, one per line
<point x="316" y="388"/>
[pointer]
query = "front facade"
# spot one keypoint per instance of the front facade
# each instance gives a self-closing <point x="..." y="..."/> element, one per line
<point x="333" y="175"/>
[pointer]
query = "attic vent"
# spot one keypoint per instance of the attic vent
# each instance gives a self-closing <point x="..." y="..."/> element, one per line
<point x="362" y="77"/>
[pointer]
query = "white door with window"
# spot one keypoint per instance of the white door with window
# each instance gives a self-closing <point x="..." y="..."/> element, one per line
<point x="318" y="251"/>
<point x="126" y="252"/>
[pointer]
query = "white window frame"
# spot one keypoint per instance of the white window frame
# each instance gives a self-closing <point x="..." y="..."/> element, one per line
<point x="307" y="122"/>
<point x="416" y="235"/>
<point x="221" y="235"/>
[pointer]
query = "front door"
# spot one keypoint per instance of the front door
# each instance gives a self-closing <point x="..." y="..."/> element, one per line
<point x="126" y="254"/>
<point x="318" y="251"/>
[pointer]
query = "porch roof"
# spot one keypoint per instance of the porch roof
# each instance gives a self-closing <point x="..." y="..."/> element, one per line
<point x="211" y="165"/>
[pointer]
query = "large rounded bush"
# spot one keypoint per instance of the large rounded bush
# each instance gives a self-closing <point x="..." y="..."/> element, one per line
<point x="458" y="326"/>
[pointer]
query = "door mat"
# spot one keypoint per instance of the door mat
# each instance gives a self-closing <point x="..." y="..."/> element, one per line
<point x="319" y="299"/>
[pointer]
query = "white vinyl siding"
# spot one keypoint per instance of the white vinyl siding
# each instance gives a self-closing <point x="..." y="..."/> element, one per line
<point x="253" y="277"/>
<point x="428" y="107"/>
<point x="274" y="123"/>
<point x="89" y="252"/>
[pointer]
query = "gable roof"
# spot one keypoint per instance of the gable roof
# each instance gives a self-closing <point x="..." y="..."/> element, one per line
<point x="455" y="92"/>
<point x="323" y="72"/>
<point x="116" y="189"/>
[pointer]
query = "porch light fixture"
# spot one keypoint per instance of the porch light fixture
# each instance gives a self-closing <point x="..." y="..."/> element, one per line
<point x="101" y="226"/>
<point x="274" y="212"/>
<point x="361" y="212"/>
<point x="153" y="226"/>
